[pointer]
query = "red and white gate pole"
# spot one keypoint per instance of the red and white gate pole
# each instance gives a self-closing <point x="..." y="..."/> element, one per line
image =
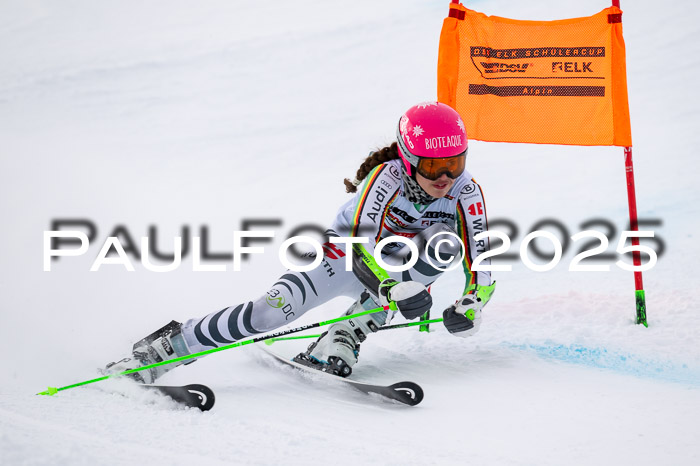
<point x="634" y="226"/>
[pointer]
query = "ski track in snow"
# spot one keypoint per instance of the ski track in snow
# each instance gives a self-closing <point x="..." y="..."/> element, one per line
<point x="163" y="113"/>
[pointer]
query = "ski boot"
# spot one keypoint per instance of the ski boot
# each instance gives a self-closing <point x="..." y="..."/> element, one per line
<point x="162" y="345"/>
<point x="337" y="350"/>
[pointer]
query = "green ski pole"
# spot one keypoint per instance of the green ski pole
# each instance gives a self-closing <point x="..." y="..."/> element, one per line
<point x="425" y="326"/>
<point x="388" y="327"/>
<point x="54" y="390"/>
<point x="411" y="324"/>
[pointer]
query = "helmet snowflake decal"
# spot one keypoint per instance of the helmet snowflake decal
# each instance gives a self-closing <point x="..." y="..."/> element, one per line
<point x="460" y="123"/>
<point x="417" y="131"/>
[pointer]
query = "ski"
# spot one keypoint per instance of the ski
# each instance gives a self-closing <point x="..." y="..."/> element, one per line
<point x="193" y="395"/>
<point x="409" y="393"/>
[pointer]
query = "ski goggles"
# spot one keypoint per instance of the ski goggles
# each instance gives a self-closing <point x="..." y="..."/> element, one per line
<point x="434" y="168"/>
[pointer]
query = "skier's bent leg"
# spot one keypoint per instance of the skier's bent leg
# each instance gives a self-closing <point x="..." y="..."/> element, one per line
<point x="217" y="329"/>
<point x="337" y="350"/>
<point x="289" y="298"/>
<point x="274" y="309"/>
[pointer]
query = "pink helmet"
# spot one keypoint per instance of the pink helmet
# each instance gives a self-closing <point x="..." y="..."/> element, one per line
<point x="429" y="132"/>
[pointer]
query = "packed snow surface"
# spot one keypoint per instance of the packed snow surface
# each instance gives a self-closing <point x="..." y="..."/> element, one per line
<point x="173" y="114"/>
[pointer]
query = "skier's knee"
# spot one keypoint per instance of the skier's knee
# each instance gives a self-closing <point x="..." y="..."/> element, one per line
<point x="275" y="308"/>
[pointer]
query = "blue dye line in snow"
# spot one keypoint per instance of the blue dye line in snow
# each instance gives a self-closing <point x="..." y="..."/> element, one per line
<point x="625" y="363"/>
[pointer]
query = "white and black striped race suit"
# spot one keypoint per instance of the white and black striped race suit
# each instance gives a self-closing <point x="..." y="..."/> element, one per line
<point x="378" y="210"/>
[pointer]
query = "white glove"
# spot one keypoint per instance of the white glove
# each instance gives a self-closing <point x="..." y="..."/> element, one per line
<point x="411" y="298"/>
<point x="463" y="318"/>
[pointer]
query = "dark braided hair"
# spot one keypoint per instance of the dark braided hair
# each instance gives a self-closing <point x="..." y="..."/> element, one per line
<point x="375" y="158"/>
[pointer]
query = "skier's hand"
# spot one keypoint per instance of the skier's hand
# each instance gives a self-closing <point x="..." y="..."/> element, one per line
<point x="463" y="318"/>
<point x="411" y="298"/>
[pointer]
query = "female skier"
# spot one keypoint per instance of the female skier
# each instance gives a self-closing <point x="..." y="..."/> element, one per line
<point x="415" y="188"/>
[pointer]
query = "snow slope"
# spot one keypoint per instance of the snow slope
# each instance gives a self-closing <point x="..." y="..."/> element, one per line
<point x="171" y="114"/>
